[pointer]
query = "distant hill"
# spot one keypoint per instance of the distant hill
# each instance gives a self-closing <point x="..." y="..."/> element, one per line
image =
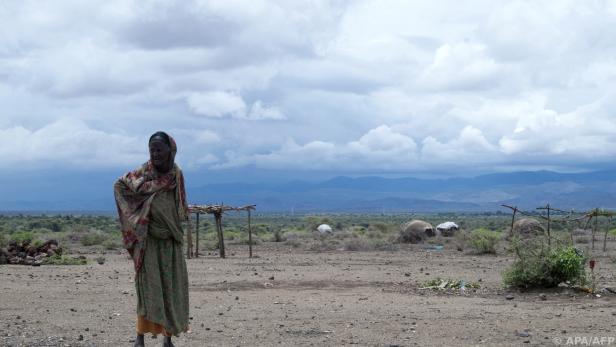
<point x="377" y="194"/>
<point x="370" y="194"/>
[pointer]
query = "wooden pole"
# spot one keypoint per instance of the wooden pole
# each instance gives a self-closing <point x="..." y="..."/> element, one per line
<point x="607" y="230"/>
<point x="571" y="234"/>
<point x="549" y="236"/>
<point x="197" y="235"/>
<point x="249" y="237"/>
<point x="189" y="239"/>
<point x="594" y="230"/>
<point x="515" y="209"/>
<point x="221" y="240"/>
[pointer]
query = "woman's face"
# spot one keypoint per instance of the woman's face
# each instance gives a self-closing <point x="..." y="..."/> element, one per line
<point x="160" y="155"/>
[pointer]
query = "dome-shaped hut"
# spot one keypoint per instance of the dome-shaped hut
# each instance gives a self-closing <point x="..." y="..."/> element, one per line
<point x="447" y="228"/>
<point x="324" y="229"/>
<point x="416" y="231"/>
<point x="527" y="228"/>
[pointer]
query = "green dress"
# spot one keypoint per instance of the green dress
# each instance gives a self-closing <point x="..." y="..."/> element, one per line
<point x="162" y="282"/>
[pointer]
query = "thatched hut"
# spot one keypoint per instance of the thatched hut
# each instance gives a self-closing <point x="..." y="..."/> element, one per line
<point x="416" y="231"/>
<point x="527" y="228"/>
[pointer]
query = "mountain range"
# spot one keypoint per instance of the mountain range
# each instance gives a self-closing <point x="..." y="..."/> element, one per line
<point x="374" y="194"/>
<point x="370" y="194"/>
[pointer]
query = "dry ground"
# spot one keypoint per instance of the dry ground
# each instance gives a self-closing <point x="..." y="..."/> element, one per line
<point x="289" y="297"/>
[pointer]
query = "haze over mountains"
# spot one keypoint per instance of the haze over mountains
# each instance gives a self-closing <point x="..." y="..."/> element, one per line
<point x="370" y="194"/>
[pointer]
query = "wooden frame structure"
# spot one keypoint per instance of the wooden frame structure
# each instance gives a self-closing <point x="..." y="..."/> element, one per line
<point x="217" y="211"/>
<point x="588" y="216"/>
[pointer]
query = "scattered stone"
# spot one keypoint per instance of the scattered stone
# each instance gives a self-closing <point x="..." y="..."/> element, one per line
<point x="523" y="333"/>
<point x="80" y="338"/>
<point x="543" y="297"/>
<point x="509" y="297"/>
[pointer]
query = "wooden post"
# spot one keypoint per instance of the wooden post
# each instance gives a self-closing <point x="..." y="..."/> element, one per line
<point x="595" y="228"/>
<point x="549" y="236"/>
<point x="571" y="234"/>
<point x="221" y="240"/>
<point x="189" y="239"/>
<point x="249" y="237"/>
<point x="197" y="235"/>
<point x="607" y="230"/>
<point x="547" y="207"/>
<point x="515" y="209"/>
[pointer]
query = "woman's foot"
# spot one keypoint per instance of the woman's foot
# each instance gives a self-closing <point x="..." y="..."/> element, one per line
<point x="168" y="342"/>
<point x="139" y="341"/>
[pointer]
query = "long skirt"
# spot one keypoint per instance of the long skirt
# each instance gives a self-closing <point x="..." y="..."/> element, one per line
<point x="162" y="289"/>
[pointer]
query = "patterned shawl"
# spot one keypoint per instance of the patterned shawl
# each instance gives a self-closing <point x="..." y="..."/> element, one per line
<point x="134" y="193"/>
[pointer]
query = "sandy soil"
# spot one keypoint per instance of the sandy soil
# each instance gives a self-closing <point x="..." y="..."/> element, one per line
<point x="289" y="297"/>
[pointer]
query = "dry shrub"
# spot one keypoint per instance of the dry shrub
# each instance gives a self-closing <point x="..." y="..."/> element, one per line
<point x="357" y="244"/>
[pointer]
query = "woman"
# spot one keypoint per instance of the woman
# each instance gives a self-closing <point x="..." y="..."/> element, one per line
<point x="151" y="203"/>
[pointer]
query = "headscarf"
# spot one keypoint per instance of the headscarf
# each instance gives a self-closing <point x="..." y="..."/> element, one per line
<point x="134" y="193"/>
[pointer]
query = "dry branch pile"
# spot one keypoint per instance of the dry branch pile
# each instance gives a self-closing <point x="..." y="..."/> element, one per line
<point x="27" y="253"/>
<point x="213" y="209"/>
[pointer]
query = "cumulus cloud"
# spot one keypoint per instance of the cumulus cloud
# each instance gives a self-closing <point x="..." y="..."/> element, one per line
<point x="460" y="66"/>
<point x="379" y="148"/>
<point x="258" y="111"/>
<point x="317" y="85"/>
<point x="470" y="146"/>
<point x="68" y="141"/>
<point x="219" y="104"/>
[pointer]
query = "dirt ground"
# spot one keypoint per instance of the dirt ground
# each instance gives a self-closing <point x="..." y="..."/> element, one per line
<point x="289" y="297"/>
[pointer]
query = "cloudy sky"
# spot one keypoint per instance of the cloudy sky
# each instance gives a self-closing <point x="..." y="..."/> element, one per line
<point x="338" y="86"/>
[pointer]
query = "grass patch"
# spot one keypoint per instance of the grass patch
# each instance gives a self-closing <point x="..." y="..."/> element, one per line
<point x="93" y="238"/>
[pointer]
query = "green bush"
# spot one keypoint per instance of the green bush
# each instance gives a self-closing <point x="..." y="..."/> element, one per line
<point x="484" y="241"/>
<point x="93" y="238"/>
<point x="3" y="241"/>
<point x="544" y="267"/>
<point x="22" y="236"/>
